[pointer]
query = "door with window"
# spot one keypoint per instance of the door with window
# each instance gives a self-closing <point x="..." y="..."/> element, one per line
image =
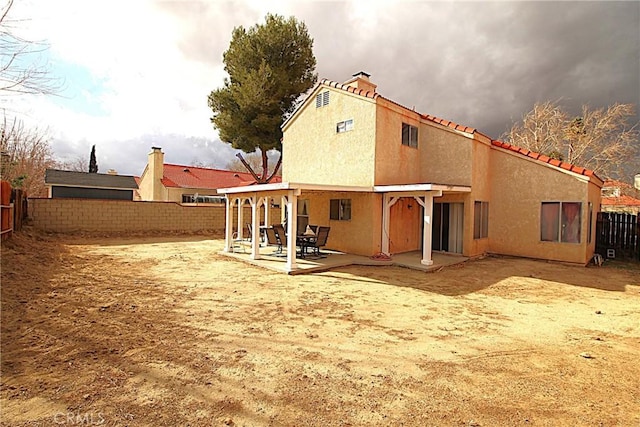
<point x="448" y="222"/>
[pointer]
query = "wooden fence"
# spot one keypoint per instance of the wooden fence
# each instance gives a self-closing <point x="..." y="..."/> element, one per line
<point x="618" y="235"/>
<point x="6" y="210"/>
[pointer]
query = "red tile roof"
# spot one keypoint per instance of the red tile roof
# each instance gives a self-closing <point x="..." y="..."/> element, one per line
<point x="181" y="176"/>
<point x="620" y="201"/>
<point x="466" y="129"/>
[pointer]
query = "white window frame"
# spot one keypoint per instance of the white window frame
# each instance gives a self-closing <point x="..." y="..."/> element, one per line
<point x="344" y="126"/>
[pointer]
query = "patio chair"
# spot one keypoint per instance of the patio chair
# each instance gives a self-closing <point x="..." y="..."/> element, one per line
<point x="273" y="240"/>
<point x="281" y="235"/>
<point x="320" y="241"/>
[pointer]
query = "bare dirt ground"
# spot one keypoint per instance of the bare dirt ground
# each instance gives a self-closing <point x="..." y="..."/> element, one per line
<point x="163" y="331"/>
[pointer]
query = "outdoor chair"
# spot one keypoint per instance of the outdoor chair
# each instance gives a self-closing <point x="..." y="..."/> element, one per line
<point x="273" y="240"/>
<point x="281" y="235"/>
<point x="322" y="234"/>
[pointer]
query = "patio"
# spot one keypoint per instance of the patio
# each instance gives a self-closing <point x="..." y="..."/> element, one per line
<point x="336" y="259"/>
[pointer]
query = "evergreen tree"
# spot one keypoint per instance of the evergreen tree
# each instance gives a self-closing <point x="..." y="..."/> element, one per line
<point x="269" y="67"/>
<point x="93" y="163"/>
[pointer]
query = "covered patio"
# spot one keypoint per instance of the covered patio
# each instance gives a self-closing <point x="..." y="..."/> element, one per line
<point x="262" y="195"/>
<point x="335" y="259"/>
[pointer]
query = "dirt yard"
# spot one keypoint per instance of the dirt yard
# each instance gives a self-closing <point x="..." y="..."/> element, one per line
<point x="163" y="331"/>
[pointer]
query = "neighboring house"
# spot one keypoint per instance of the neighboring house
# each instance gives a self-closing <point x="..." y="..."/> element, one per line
<point x="389" y="179"/>
<point x="618" y="196"/>
<point x="186" y="184"/>
<point x="84" y="185"/>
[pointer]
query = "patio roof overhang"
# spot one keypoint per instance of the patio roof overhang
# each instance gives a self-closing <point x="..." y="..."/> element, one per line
<point x="288" y="186"/>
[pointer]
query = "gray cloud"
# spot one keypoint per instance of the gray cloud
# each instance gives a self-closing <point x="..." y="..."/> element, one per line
<point x="129" y="157"/>
<point x="481" y="64"/>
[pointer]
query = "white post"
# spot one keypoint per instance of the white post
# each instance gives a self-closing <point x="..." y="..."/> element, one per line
<point x="228" y="226"/>
<point x="267" y="213"/>
<point x="292" y="227"/>
<point x="240" y="218"/>
<point x="427" y="229"/>
<point x="255" y="229"/>
<point x="387" y="202"/>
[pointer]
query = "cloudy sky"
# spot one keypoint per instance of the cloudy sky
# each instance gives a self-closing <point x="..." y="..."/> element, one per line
<point x="136" y="74"/>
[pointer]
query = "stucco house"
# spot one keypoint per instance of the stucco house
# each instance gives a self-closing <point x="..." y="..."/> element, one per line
<point x="618" y="196"/>
<point x="185" y="184"/>
<point x="84" y="185"/>
<point x="389" y="179"/>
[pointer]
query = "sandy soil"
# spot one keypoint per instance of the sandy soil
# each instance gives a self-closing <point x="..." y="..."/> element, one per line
<point x="163" y="331"/>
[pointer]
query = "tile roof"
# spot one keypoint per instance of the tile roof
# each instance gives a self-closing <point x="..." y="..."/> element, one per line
<point x="181" y="176"/>
<point x="470" y="130"/>
<point x="86" y="179"/>
<point x="620" y="201"/>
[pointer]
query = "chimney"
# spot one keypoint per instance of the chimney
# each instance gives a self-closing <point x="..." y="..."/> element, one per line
<point x="156" y="172"/>
<point x="361" y="80"/>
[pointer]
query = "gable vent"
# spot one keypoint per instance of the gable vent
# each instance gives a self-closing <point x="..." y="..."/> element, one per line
<point x="322" y="99"/>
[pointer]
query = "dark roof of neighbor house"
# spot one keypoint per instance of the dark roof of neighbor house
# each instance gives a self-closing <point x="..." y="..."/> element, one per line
<point x="86" y="179"/>
<point x="181" y="176"/>
<point x="495" y="143"/>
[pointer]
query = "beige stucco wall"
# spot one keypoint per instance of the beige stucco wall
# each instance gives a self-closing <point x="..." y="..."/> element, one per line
<point x="396" y="163"/>
<point x="518" y="187"/>
<point x="361" y="235"/>
<point x="480" y="192"/>
<point x="313" y="152"/>
<point x="446" y="157"/>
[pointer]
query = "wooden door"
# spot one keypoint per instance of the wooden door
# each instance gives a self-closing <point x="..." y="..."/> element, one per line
<point x="405" y="226"/>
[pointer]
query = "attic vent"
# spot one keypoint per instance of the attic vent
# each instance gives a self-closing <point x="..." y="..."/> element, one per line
<point x="236" y="175"/>
<point x="185" y="170"/>
<point x="322" y="99"/>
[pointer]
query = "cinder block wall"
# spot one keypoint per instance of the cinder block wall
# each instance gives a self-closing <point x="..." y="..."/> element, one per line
<point x="70" y="215"/>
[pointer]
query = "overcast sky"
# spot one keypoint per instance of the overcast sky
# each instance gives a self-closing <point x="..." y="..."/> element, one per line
<point x="137" y="73"/>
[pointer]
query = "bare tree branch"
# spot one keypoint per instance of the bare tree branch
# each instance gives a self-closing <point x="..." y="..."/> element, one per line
<point x="599" y="139"/>
<point x="19" y="71"/>
<point x="25" y="156"/>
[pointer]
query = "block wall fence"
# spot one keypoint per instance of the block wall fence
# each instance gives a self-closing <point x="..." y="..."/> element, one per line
<point x="72" y="215"/>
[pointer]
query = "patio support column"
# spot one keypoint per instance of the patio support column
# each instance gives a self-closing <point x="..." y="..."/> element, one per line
<point x="255" y="229"/>
<point x="228" y="225"/>
<point x="267" y="213"/>
<point x="292" y="227"/>
<point x="240" y="219"/>
<point x="427" y="232"/>
<point x="387" y="202"/>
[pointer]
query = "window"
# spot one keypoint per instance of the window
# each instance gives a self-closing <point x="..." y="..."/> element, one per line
<point x="195" y="198"/>
<point x="322" y="99"/>
<point x="340" y="209"/>
<point x="480" y="220"/>
<point x="560" y="222"/>
<point x="409" y="135"/>
<point x="345" y="126"/>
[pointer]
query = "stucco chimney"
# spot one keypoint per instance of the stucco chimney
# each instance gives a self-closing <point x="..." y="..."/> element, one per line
<point x="156" y="172"/>
<point x="361" y="80"/>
